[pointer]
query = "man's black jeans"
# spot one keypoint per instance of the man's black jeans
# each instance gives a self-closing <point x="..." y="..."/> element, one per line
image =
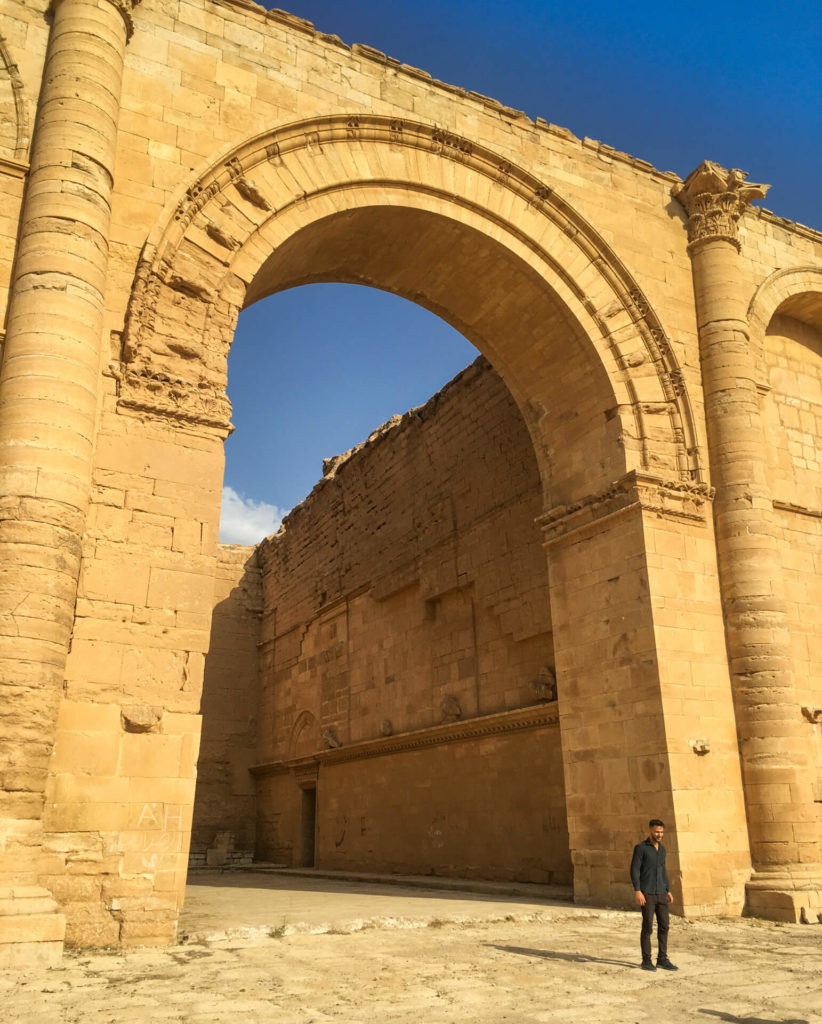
<point x="656" y="903"/>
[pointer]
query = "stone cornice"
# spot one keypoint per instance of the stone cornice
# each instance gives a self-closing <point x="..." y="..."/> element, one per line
<point x="537" y="716"/>
<point x="799" y="510"/>
<point x="715" y="199"/>
<point x="13" y="168"/>
<point x="668" y="499"/>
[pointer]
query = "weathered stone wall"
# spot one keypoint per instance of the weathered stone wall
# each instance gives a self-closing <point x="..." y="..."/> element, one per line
<point x="407" y="591"/>
<point x="793" y="411"/>
<point x="193" y="156"/>
<point x="442" y="802"/>
<point x="224" y="809"/>
<point x="145" y="575"/>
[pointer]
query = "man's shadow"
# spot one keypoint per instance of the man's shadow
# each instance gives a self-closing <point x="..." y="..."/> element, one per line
<point x="573" y="958"/>
<point x="730" y="1018"/>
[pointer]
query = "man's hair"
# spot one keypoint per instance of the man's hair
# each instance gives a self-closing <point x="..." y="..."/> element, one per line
<point x="654" y="822"/>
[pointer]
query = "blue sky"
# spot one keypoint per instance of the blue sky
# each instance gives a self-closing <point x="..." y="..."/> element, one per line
<point x="315" y="369"/>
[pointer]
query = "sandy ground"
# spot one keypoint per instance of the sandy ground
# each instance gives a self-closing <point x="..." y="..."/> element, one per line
<point x="293" y="951"/>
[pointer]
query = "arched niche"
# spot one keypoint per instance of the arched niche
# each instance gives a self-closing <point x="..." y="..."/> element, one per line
<point x="785" y="319"/>
<point x="786" y="333"/>
<point x="14" y="128"/>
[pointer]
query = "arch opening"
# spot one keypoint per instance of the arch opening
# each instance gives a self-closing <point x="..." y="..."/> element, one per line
<point x="314" y="370"/>
<point x="493" y="299"/>
<point x="425" y="533"/>
<point x="500" y="257"/>
<point x="207" y="262"/>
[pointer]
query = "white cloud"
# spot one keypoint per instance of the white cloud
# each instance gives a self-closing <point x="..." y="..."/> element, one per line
<point x="246" y="521"/>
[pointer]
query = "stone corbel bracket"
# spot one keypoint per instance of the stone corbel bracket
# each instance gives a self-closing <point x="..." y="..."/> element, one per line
<point x="667" y="499"/>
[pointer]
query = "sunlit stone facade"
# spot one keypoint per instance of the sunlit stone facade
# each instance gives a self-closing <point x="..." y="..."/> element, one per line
<point x="166" y="164"/>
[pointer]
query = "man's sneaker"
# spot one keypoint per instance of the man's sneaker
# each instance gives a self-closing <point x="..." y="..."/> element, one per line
<point x="647" y="965"/>
<point x="666" y="965"/>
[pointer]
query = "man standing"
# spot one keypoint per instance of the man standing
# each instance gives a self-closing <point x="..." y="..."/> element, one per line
<point x="652" y="891"/>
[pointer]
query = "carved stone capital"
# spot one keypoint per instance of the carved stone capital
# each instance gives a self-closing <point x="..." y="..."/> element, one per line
<point x="667" y="499"/>
<point x="715" y="199"/>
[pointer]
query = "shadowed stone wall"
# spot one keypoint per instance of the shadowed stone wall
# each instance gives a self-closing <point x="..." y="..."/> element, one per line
<point x="407" y="659"/>
<point x="223" y="829"/>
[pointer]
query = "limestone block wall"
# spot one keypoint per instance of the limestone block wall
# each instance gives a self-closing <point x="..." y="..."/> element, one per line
<point x="793" y="415"/>
<point x="236" y="136"/>
<point x="409" y="590"/>
<point x="483" y="806"/>
<point x="224" y="808"/>
<point x="141" y="631"/>
<point x="640" y="659"/>
<point x="118" y="815"/>
<point x="413" y="572"/>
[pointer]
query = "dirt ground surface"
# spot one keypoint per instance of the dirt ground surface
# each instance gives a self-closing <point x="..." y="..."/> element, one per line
<point x="276" y="948"/>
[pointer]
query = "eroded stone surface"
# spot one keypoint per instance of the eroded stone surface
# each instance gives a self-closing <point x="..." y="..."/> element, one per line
<point x="191" y="158"/>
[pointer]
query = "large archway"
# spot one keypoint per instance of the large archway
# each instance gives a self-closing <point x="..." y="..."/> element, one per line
<point x="441" y="221"/>
<point x="402" y="206"/>
<point x="187" y="189"/>
<point x="445" y="223"/>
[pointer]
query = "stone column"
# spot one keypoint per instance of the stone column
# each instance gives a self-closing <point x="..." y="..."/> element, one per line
<point x="772" y="739"/>
<point x="49" y="396"/>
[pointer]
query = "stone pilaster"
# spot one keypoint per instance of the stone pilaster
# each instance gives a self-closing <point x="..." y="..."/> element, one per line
<point x="48" y="401"/>
<point x="772" y="739"/>
<point x="645" y="710"/>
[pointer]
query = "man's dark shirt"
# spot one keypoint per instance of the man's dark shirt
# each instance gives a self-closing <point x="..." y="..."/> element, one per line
<point x="648" y="871"/>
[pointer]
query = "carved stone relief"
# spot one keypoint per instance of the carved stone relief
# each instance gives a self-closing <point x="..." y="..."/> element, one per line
<point x="184" y="303"/>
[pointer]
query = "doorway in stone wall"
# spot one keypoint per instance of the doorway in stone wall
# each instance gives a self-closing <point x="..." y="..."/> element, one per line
<point x="308" y="827"/>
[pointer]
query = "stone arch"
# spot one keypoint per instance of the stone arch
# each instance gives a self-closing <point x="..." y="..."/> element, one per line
<point x="796" y="292"/>
<point x="224" y="243"/>
<point x="785" y="317"/>
<point x="14" y="127"/>
<point x="305" y="736"/>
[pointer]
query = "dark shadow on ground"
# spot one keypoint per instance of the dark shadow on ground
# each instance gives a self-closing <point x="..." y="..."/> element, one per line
<point x="731" y="1018"/>
<point x="574" y="958"/>
<point x="426" y="888"/>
